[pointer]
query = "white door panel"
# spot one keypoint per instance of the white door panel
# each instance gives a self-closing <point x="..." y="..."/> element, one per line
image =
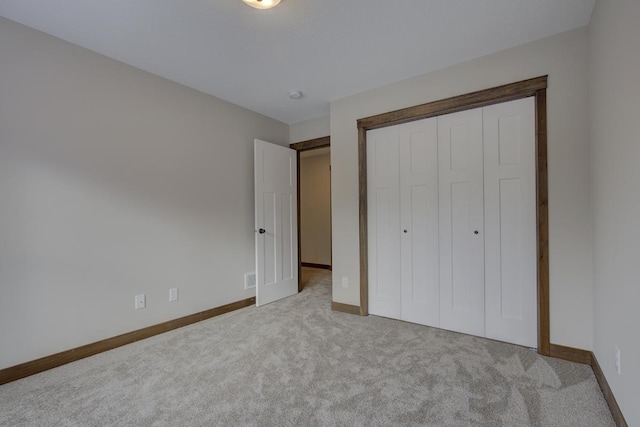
<point x="419" y="210"/>
<point x="383" y="222"/>
<point x="452" y="222"/>
<point x="461" y="242"/>
<point x="510" y="222"/>
<point x="276" y="222"/>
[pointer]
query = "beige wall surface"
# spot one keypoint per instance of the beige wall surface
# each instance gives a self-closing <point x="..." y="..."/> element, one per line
<point x="315" y="208"/>
<point x="309" y="129"/>
<point x="614" y="37"/>
<point x="565" y="59"/>
<point x="114" y="182"/>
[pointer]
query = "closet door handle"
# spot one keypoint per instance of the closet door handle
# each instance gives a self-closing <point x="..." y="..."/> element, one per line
<point x="476" y="232"/>
<point x="405" y="231"/>
<point x="262" y="231"/>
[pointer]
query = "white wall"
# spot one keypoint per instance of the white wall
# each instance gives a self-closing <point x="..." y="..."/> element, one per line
<point x="315" y="206"/>
<point x="114" y="182"/>
<point x="615" y="172"/>
<point x="309" y="129"/>
<point x="565" y="58"/>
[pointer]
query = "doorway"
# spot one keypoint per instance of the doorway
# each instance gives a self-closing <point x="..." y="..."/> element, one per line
<point x="314" y="205"/>
<point x="452" y="225"/>
<point x="536" y="88"/>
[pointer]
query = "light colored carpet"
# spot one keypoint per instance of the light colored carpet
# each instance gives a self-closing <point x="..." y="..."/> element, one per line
<point x="297" y="363"/>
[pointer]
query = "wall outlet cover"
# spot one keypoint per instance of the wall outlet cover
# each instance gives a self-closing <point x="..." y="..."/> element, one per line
<point x="140" y="301"/>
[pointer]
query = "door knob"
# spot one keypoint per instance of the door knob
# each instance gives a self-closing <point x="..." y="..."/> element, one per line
<point x="405" y="231"/>
<point x="262" y="231"/>
<point x="476" y="232"/>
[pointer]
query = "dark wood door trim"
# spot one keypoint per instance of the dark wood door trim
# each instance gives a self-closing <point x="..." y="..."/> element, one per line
<point x="311" y="144"/>
<point x="536" y="87"/>
<point x="542" y="214"/>
<point x="363" y="220"/>
<point x="482" y="98"/>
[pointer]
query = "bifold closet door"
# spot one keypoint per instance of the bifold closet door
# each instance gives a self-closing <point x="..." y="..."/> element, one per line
<point x="403" y="213"/>
<point x="460" y="175"/>
<point x="420" y="298"/>
<point x="452" y="222"/>
<point x="383" y="217"/>
<point x="510" y="222"/>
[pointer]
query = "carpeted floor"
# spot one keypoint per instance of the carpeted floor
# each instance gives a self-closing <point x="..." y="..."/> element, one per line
<point x="297" y="363"/>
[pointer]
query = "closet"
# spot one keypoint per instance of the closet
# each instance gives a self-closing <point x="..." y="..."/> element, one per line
<point x="452" y="222"/>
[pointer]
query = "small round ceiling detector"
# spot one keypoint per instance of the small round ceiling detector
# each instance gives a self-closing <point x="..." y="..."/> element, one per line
<point x="262" y="4"/>
<point x="295" y="94"/>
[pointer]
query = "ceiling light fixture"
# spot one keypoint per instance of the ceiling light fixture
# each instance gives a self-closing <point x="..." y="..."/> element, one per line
<point x="295" y="94"/>
<point x="262" y="4"/>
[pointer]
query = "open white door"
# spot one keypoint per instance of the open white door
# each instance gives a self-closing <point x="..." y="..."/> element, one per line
<point x="276" y="193"/>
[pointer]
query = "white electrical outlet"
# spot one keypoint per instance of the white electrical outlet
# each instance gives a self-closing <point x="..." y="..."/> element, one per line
<point x="173" y="294"/>
<point x="618" y="367"/>
<point x="140" y="301"/>
<point x="345" y="282"/>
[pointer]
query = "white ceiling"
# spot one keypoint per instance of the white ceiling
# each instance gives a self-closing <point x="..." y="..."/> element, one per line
<point x="328" y="49"/>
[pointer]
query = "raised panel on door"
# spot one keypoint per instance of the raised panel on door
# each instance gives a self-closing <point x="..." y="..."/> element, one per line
<point x="510" y="222"/>
<point x="383" y="210"/>
<point x="268" y="260"/>
<point x="419" y="221"/>
<point x="461" y="222"/>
